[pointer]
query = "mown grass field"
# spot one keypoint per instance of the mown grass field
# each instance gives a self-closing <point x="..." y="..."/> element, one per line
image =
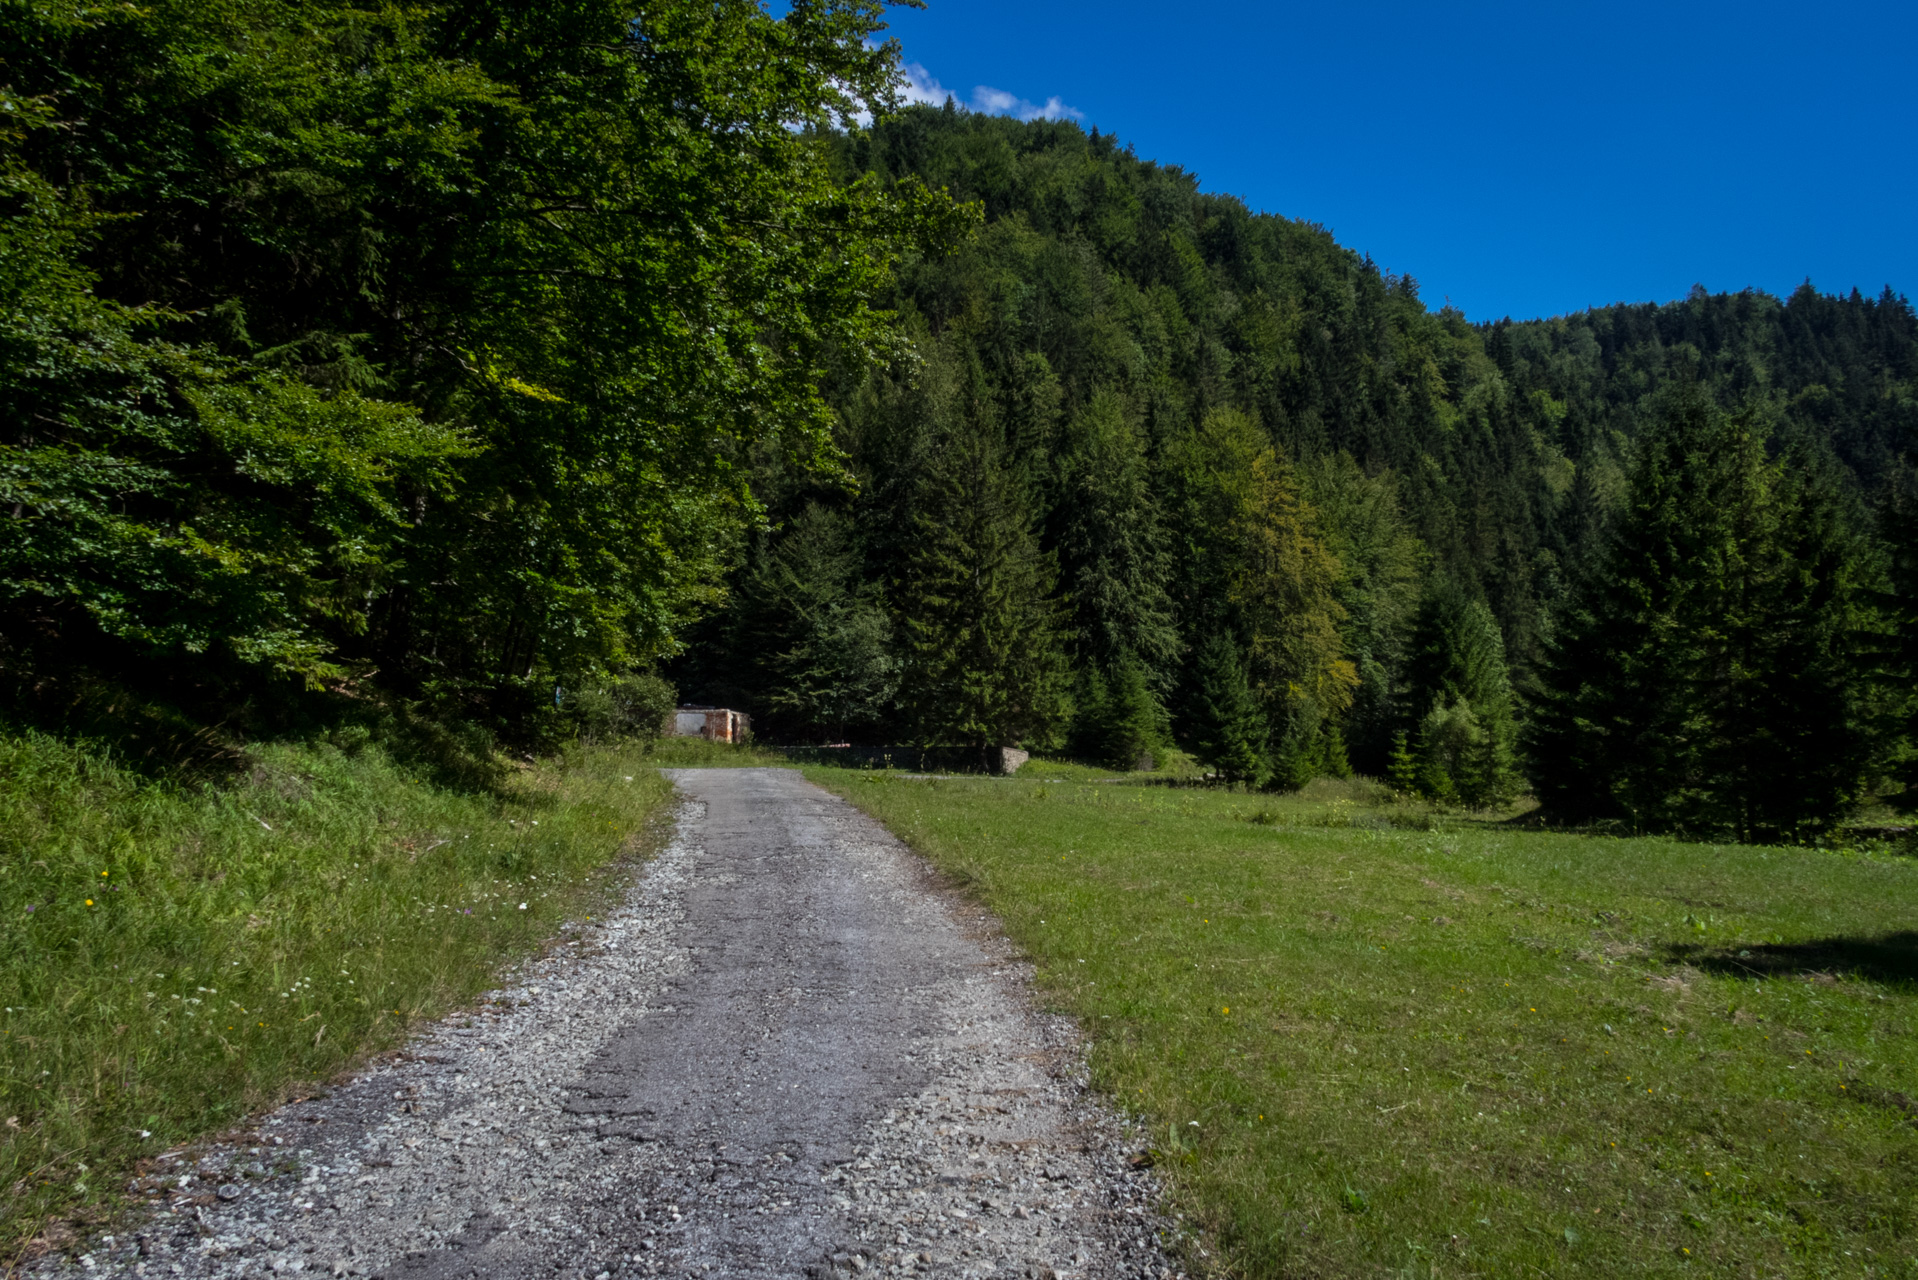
<point x="173" y="958"/>
<point x="1373" y="1042"/>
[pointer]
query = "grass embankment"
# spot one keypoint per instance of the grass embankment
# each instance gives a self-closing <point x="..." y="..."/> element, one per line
<point x="1467" y="1050"/>
<point x="172" y="958"/>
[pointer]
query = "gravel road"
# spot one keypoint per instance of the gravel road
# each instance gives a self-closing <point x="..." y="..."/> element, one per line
<point x="789" y="1054"/>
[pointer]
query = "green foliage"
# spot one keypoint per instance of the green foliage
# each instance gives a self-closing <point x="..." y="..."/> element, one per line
<point x="1381" y="564"/>
<point x="1898" y="526"/>
<point x="1458" y="699"/>
<point x="425" y="340"/>
<point x="631" y="707"/>
<point x="1311" y="447"/>
<point x="1402" y="767"/>
<point x="1708" y="676"/>
<point x="821" y="651"/>
<point x="1228" y="731"/>
<point x="1117" y="722"/>
<point x="1251" y="538"/>
<point x="163" y="496"/>
<point x="1111" y="547"/>
<point x="984" y="663"/>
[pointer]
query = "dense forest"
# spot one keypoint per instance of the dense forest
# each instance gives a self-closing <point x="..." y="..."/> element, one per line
<point x="395" y="362"/>
<point x="1160" y="470"/>
<point x="465" y="368"/>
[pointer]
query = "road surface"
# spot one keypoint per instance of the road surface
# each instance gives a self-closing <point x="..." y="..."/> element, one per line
<point x="790" y="1054"/>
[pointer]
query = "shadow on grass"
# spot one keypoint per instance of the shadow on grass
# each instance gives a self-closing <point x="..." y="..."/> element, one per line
<point x="1889" y="958"/>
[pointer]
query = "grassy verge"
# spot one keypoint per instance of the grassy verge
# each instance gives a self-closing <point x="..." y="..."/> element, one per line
<point x="175" y="958"/>
<point x="1372" y="1041"/>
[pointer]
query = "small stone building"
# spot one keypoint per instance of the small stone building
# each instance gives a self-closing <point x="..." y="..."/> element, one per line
<point x="715" y="724"/>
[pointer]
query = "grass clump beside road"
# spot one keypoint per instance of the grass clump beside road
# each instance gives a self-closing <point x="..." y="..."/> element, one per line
<point x="176" y="957"/>
<point x="1372" y="1040"/>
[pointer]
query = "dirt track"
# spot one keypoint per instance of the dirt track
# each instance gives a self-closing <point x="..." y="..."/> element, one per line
<point x="789" y="1054"/>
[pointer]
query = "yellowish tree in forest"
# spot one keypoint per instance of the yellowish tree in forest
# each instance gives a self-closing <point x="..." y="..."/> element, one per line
<point x="1245" y="518"/>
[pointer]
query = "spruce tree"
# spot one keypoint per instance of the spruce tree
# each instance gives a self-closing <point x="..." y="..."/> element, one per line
<point x="985" y="666"/>
<point x="1707" y="676"/>
<point x="1253" y="559"/>
<point x="1898" y="524"/>
<point x="1380" y="563"/>
<point x="1799" y="732"/>
<point x="1091" y="715"/>
<point x="1117" y="720"/>
<point x="1139" y="729"/>
<point x="1623" y="714"/>
<point x="1228" y="730"/>
<point x="1458" y="701"/>
<point x="812" y="635"/>
<point x="1111" y="545"/>
<point x="1402" y="767"/>
<point x="1284" y="589"/>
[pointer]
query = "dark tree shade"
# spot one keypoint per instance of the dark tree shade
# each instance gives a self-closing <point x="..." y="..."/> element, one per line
<point x="1228" y="730"/>
<point x="821" y="658"/>
<point x="984" y="663"/>
<point x="1708" y="675"/>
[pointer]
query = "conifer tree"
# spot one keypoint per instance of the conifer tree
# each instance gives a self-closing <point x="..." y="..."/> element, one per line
<point x="1284" y="587"/>
<point x="1091" y="714"/>
<point x="1380" y="563"/>
<point x="985" y="666"/>
<point x="815" y="639"/>
<point x="1402" y="768"/>
<point x="1706" y="676"/>
<point x="1228" y="730"/>
<point x="1458" y="699"/>
<point x="1117" y="721"/>
<point x="1799" y="731"/>
<point x="1111" y="545"/>
<point x="1898" y="525"/>
<point x="1617" y="730"/>
<point x="1250" y="544"/>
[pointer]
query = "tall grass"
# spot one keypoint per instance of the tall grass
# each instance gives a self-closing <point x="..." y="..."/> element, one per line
<point x="173" y="957"/>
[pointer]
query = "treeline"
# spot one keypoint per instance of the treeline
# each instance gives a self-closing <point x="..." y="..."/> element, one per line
<point x="1163" y="471"/>
<point x="407" y="355"/>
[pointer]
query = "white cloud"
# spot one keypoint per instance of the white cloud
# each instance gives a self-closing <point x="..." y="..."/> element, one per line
<point x="994" y="101"/>
<point x="999" y="102"/>
<point x="917" y="85"/>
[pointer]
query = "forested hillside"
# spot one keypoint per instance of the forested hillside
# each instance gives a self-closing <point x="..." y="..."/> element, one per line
<point x="1170" y="467"/>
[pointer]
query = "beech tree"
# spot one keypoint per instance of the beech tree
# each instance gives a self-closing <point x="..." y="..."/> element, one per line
<point x="423" y="339"/>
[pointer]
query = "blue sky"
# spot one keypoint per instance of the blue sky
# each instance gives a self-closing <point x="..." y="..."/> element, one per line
<point x="1519" y="159"/>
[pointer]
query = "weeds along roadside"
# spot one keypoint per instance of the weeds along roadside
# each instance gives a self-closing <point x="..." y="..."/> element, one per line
<point x="175" y="958"/>
<point x="1370" y="1039"/>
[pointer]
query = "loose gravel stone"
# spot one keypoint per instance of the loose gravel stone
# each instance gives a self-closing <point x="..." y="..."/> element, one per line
<point x="789" y="1054"/>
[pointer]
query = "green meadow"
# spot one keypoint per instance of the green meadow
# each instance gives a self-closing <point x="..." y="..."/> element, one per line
<point x="1369" y="1039"/>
